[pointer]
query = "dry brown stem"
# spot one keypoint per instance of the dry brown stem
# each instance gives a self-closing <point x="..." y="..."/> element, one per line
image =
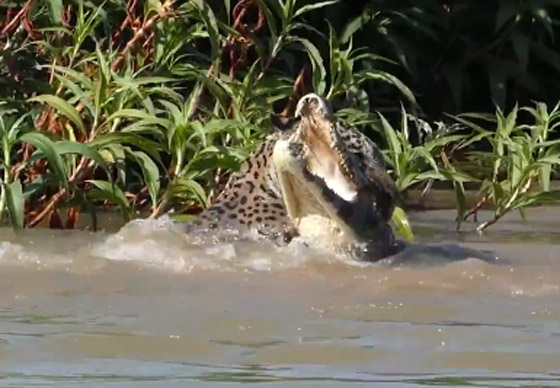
<point x="142" y="33"/>
<point x="83" y="169"/>
<point x="15" y="21"/>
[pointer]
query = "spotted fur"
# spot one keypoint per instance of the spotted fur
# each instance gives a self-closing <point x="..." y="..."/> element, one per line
<point x="252" y="198"/>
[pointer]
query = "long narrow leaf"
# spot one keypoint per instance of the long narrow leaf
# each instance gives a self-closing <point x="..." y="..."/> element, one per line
<point x="108" y="191"/>
<point x="402" y="225"/>
<point x="48" y="148"/>
<point x="70" y="147"/>
<point x="14" y="197"/>
<point x="312" y="6"/>
<point x="151" y="175"/>
<point x="63" y="108"/>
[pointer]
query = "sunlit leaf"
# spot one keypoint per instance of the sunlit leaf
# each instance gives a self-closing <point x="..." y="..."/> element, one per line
<point x="55" y="8"/>
<point x="312" y="6"/>
<point x="356" y="24"/>
<point x="151" y="175"/>
<point x="71" y="147"/>
<point x="392" y="139"/>
<point x="48" y="148"/>
<point x="151" y="147"/>
<point x="14" y="197"/>
<point x="545" y="172"/>
<point x="402" y="225"/>
<point x="63" y="108"/>
<point x="391" y="79"/>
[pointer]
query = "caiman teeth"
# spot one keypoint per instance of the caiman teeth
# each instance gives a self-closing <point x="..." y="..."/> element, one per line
<point x="346" y="169"/>
<point x="343" y="163"/>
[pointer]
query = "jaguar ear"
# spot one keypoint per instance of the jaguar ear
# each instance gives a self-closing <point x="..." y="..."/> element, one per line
<point x="282" y="124"/>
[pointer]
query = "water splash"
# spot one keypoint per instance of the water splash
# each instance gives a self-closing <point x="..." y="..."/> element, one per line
<point x="13" y="253"/>
<point x="163" y="244"/>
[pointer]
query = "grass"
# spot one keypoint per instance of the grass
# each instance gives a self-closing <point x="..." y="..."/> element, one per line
<point x="516" y="171"/>
<point x="150" y="106"/>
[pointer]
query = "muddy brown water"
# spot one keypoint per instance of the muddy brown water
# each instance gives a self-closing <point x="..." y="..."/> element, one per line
<point x="147" y="307"/>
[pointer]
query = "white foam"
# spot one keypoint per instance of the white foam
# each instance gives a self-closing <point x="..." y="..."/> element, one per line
<point x="13" y="253"/>
<point x="29" y="255"/>
<point x="162" y="244"/>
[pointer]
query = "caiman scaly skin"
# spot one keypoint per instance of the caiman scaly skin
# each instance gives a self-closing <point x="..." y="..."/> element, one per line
<point x="319" y="180"/>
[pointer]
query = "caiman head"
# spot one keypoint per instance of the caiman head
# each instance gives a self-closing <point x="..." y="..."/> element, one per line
<point x="334" y="184"/>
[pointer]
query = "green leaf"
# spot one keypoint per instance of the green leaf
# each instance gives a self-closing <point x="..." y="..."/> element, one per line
<point x="312" y="6"/>
<point x="134" y="83"/>
<point x="392" y="139"/>
<point x="451" y="174"/>
<point x="405" y="181"/>
<point x="227" y="5"/>
<point x="355" y="25"/>
<point x="480" y="116"/>
<point x="63" y="108"/>
<point x="55" y="8"/>
<point x="191" y="188"/>
<point x="72" y="147"/>
<point x="183" y="217"/>
<point x="507" y="10"/>
<point x="208" y="17"/>
<point x="48" y="148"/>
<point x="423" y="153"/>
<point x="191" y="103"/>
<point x="131" y="114"/>
<point x="110" y="192"/>
<point x="335" y="60"/>
<point x="39" y="184"/>
<point x="270" y="19"/>
<point x="402" y="225"/>
<point x="319" y="72"/>
<point x="498" y="194"/>
<point x="14" y="197"/>
<point x="545" y="172"/>
<point x="151" y="175"/>
<point x="390" y="79"/>
<point x="150" y="147"/>
<point x="81" y="95"/>
<point x="76" y="75"/>
<point x="511" y="120"/>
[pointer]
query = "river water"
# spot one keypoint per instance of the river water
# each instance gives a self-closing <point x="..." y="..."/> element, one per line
<point x="148" y="307"/>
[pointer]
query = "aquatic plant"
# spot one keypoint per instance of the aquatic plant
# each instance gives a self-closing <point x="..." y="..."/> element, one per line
<point x="516" y="171"/>
<point x="149" y="106"/>
<point x="415" y="164"/>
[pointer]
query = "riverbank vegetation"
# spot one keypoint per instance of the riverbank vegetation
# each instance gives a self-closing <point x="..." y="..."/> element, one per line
<point x="148" y="105"/>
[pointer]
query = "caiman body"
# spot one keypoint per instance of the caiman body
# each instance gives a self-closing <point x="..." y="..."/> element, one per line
<point x="324" y="182"/>
<point x="319" y="180"/>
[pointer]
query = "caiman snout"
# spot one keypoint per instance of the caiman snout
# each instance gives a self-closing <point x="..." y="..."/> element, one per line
<point x="312" y="103"/>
